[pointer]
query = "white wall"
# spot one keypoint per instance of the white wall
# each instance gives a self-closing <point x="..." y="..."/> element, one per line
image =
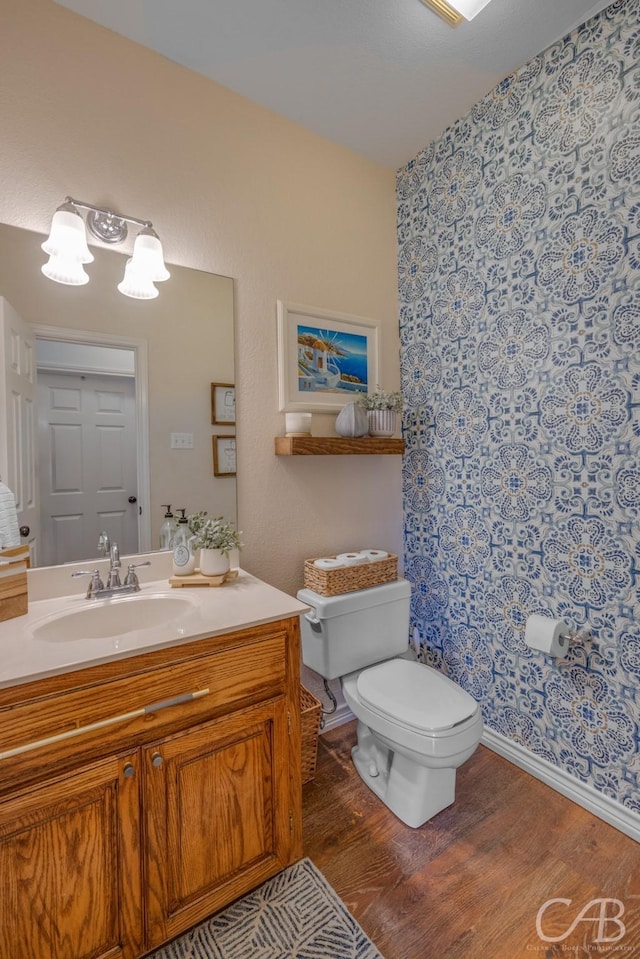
<point x="232" y="189"/>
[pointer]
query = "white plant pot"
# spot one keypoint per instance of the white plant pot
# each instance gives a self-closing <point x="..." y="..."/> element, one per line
<point x="213" y="562"/>
<point x="381" y="422"/>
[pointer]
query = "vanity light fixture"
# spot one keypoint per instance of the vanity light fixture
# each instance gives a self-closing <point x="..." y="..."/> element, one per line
<point x="456" y="11"/>
<point x="68" y="251"/>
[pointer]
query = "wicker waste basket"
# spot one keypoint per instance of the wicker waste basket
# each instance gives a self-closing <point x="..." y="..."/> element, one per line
<point x="310" y="714"/>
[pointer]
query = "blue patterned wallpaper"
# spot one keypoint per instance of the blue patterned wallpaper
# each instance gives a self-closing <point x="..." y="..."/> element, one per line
<point x="519" y="279"/>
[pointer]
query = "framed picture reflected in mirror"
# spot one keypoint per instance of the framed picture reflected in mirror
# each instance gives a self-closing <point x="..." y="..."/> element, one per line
<point x="223" y="404"/>
<point x="224" y="455"/>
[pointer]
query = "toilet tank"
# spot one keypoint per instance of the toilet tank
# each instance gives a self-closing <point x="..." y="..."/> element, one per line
<point x="343" y="633"/>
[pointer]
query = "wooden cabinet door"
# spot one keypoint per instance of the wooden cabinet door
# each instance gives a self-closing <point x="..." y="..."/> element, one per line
<point x="217" y="815"/>
<point x="70" y="876"/>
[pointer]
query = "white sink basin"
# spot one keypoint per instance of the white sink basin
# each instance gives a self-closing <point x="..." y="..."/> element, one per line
<point x="115" y="617"/>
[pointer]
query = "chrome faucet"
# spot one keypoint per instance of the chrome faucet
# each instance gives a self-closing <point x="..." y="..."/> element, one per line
<point x="113" y="580"/>
<point x="96" y="588"/>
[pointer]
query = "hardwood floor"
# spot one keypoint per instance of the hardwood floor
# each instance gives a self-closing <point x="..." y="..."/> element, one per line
<point x="470" y="882"/>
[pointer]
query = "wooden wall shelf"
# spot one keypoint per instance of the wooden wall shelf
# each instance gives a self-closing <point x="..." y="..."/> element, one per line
<point x="336" y="445"/>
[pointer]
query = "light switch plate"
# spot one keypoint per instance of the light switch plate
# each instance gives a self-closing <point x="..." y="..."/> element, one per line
<point x="182" y="441"/>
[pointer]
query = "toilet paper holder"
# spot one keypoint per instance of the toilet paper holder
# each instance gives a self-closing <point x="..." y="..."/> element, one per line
<point x="547" y="635"/>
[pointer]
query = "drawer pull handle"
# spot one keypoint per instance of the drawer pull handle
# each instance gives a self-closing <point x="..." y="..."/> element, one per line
<point x="175" y="701"/>
<point x="129" y="770"/>
<point x="157" y="760"/>
<point x="103" y="723"/>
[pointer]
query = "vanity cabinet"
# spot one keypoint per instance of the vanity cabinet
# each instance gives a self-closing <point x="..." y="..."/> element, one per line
<point x="119" y="838"/>
<point x="195" y="864"/>
<point x="70" y="882"/>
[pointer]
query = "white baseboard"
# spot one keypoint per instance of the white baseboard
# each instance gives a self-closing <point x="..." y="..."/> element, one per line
<point x="602" y="806"/>
<point x="341" y="716"/>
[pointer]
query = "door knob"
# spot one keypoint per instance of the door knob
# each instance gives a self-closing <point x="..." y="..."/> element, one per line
<point x="156" y="760"/>
<point x="25" y="530"/>
<point x="129" y="770"/>
<point x="133" y="499"/>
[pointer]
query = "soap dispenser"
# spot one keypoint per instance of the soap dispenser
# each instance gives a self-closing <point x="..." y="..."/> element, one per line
<point x="184" y="558"/>
<point x="168" y="528"/>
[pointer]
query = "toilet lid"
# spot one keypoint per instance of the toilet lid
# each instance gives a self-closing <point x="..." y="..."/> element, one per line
<point x="414" y="695"/>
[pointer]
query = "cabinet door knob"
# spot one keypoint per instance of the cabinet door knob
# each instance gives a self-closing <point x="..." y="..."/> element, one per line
<point x="129" y="770"/>
<point x="156" y="760"/>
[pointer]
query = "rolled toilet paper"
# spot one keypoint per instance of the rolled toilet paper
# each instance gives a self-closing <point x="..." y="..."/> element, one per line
<point x="352" y="559"/>
<point x="328" y="563"/>
<point x="373" y="555"/>
<point x="550" y="636"/>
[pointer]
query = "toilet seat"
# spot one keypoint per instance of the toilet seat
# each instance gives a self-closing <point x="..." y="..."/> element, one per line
<point x="413" y="695"/>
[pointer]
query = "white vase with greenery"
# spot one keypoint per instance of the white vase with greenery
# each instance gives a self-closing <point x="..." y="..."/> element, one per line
<point x="215" y="538"/>
<point x="381" y="408"/>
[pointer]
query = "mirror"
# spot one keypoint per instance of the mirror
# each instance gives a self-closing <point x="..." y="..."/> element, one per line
<point x="182" y="341"/>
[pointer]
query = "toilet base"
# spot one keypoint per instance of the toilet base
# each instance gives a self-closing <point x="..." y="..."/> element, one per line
<point x="414" y="793"/>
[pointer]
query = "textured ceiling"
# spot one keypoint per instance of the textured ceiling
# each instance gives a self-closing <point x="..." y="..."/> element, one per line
<point x="382" y="77"/>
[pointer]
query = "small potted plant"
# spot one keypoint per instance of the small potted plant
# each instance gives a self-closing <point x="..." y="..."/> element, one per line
<point x="215" y="538"/>
<point x="381" y="410"/>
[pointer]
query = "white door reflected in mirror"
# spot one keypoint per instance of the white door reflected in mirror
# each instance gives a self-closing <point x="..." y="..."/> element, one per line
<point x="87" y="461"/>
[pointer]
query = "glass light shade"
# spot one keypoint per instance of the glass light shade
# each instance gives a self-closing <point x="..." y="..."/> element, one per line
<point x="64" y="269"/>
<point x="468" y="8"/>
<point x="137" y="284"/>
<point x="147" y="256"/>
<point x="68" y="237"/>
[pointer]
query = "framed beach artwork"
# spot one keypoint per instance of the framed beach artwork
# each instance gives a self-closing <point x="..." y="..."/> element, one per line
<point x="325" y="359"/>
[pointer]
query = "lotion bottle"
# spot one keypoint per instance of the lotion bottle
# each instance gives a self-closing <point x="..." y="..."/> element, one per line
<point x="168" y="528"/>
<point x="184" y="558"/>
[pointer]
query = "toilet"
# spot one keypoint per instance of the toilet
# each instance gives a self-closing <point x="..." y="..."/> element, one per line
<point x="415" y="726"/>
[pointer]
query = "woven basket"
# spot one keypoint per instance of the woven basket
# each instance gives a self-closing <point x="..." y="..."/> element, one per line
<point x="332" y="582"/>
<point x="310" y="713"/>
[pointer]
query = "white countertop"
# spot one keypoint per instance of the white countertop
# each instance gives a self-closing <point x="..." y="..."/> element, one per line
<point x="26" y="653"/>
